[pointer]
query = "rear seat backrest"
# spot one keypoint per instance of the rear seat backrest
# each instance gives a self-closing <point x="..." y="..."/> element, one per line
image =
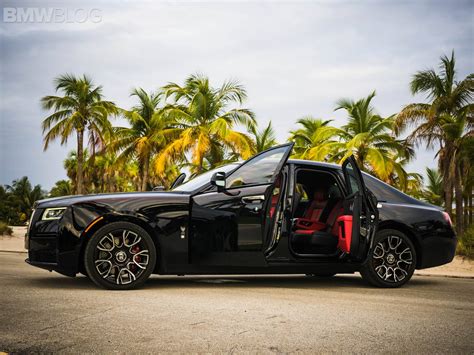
<point x="314" y="210"/>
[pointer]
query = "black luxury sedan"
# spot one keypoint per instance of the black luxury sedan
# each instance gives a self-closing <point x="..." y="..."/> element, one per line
<point x="265" y="215"/>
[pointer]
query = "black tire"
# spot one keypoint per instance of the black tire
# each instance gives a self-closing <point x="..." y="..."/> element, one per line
<point x="388" y="267"/>
<point x="123" y="269"/>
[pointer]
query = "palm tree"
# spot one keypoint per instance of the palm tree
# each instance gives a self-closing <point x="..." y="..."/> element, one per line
<point x="70" y="164"/>
<point x="315" y="140"/>
<point x="23" y="196"/>
<point x="80" y="109"/>
<point x="61" y="188"/>
<point x="206" y="125"/>
<point x="149" y="133"/>
<point x="433" y="191"/>
<point x="446" y="120"/>
<point x="264" y="139"/>
<point x="456" y="131"/>
<point x="368" y="136"/>
<point x="466" y="159"/>
<point x="412" y="185"/>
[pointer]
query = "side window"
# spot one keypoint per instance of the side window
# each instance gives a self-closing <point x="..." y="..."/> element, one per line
<point x="258" y="170"/>
<point x="352" y="184"/>
<point x="300" y="190"/>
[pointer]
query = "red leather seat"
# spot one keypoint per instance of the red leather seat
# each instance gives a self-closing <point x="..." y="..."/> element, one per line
<point x="308" y="227"/>
<point x="319" y="241"/>
<point x="311" y="218"/>
<point x="275" y="196"/>
<point x="314" y="210"/>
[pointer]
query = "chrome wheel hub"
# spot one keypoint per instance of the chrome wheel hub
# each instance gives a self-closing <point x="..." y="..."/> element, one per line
<point x="121" y="257"/>
<point x="392" y="259"/>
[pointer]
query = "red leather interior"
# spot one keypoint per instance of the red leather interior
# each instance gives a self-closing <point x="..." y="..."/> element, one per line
<point x="276" y="197"/>
<point x="307" y="224"/>
<point x="274" y="203"/>
<point x="335" y="213"/>
<point x="304" y="226"/>
<point x="314" y="210"/>
<point x="344" y="227"/>
<point x="310" y="220"/>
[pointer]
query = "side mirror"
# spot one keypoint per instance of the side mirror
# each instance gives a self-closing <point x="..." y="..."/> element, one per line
<point x="218" y="179"/>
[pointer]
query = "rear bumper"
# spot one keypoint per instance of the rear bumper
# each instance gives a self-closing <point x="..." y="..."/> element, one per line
<point x="437" y="251"/>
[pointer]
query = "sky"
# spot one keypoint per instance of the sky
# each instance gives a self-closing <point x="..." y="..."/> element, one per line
<point x="295" y="58"/>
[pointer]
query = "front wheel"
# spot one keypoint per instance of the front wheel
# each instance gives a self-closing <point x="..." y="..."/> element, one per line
<point x="392" y="260"/>
<point x="120" y="256"/>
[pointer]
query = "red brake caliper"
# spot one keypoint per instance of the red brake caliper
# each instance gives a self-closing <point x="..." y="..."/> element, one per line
<point x="137" y="258"/>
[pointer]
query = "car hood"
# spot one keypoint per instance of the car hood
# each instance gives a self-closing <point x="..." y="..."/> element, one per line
<point x="115" y="198"/>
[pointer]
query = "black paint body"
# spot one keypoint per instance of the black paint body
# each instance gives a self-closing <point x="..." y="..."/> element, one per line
<point x="210" y="232"/>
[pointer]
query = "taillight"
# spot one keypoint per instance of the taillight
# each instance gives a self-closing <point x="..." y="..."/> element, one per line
<point x="447" y="218"/>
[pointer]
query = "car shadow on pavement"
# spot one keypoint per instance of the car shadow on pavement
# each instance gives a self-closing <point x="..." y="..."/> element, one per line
<point x="226" y="281"/>
<point x="280" y="281"/>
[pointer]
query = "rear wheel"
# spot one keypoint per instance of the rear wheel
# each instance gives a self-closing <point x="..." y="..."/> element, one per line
<point x="391" y="262"/>
<point x="120" y="256"/>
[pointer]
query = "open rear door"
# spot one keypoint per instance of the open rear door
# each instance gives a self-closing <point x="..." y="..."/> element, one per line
<point x="359" y="209"/>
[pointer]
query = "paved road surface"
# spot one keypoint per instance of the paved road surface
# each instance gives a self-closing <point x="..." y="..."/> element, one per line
<point x="42" y="311"/>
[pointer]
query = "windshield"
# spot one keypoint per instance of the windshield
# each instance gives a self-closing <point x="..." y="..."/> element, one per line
<point x="203" y="179"/>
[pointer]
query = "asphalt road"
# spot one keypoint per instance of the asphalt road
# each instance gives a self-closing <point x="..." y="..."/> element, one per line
<point x="44" y="312"/>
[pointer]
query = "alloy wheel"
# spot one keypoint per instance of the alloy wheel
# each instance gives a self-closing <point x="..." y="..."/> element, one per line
<point x="392" y="259"/>
<point x="121" y="256"/>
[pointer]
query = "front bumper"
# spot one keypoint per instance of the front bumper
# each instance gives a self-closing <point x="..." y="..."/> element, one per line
<point x="50" y="267"/>
<point x="50" y="247"/>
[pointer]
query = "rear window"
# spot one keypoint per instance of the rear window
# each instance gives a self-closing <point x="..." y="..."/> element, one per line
<point x="387" y="193"/>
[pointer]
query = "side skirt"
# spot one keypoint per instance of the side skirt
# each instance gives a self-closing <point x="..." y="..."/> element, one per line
<point x="272" y="268"/>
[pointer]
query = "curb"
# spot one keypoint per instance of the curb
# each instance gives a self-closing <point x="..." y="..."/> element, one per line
<point x="14" y="251"/>
<point x="449" y="276"/>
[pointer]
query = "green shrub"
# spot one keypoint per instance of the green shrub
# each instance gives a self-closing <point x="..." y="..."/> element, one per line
<point x="5" y="229"/>
<point x="466" y="243"/>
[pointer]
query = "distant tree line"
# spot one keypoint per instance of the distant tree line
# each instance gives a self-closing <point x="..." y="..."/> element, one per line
<point x="197" y="126"/>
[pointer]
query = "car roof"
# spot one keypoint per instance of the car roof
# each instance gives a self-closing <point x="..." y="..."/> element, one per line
<point x="314" y="163"/>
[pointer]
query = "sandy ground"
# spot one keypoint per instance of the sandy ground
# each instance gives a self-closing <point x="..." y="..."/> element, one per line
<point x="459" y="267"/>
<point x="16" y="242"/>
<point x="43" y="312"/>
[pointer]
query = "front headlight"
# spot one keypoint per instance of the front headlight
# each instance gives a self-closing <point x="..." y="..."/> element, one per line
<point x="53" y="213"/>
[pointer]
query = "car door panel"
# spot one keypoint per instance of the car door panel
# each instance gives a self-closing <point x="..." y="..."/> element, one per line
<point x="227" y="227"/>
<point x="358" y="205"/>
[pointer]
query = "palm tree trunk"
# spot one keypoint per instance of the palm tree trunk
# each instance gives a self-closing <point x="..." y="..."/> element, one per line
<point x="448" y="198"/>
<point x="146" y="167"/>
<point x="466" y="210"/>
<point x="80" y="163"/>
<point x="470" y="207"/>
<point x="459" y="201"/>
<point x="447" y="185"/>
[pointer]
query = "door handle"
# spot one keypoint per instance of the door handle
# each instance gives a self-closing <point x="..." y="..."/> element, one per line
<point x="253" y="199"/>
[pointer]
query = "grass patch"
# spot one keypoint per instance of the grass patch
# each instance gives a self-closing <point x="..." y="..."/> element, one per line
<point x="5" y="229"/>
<point x="466" y="243"/>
